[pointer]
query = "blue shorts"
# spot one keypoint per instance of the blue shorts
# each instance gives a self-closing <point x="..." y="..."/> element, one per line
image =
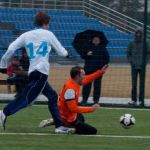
<point x="37" y="84"/>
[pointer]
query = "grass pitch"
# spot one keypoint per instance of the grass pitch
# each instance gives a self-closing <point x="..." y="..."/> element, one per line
<point x="111" y="136"/>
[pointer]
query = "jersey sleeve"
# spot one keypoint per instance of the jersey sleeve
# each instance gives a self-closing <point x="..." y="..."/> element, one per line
<point x="69" y="94"/>
<point x="18" y="43"/>
<point x="71" y="101"/>
<point x="91" y="77"/>
<point x="73" y="107"/>
<point x="57" y="45"/>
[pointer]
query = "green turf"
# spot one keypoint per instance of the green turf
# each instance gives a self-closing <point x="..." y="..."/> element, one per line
<point x="105" y="120"/>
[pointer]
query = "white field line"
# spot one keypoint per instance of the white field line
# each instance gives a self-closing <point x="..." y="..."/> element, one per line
<point x="125" y="108"/>
<point x="105" y="136"/>
<point x="105" y="108"/>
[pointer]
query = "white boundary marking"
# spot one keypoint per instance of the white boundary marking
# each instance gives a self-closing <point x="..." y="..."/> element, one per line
<point x="105" y="136"/>
<point x="106" y="100"/>
<point x="106" y="108"/>
<point x="125" y="108"/>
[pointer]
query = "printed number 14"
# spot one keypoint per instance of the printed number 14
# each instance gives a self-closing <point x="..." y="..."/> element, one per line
<point x="42" y="50"/>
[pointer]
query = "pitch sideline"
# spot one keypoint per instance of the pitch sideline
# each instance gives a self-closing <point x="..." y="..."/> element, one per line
<point x="115" y="108"/>
<point x="105" y="136"/>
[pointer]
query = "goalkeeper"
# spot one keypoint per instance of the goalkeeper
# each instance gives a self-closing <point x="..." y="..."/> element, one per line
<point x="71" y="113"/>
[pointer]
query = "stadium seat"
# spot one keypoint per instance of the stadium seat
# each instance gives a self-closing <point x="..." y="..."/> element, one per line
<point x="65" y="24"/>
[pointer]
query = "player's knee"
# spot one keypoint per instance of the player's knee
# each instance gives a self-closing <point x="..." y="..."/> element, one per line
<point x="94" y="131"/>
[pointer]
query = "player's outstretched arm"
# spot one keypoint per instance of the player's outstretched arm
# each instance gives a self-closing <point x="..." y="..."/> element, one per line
<point x="103" y="70"/>
<point x="95" y="75"/>
<point x="73" y="107"/>
<point x="57" y="46"/>
<point x="72" y="104"/>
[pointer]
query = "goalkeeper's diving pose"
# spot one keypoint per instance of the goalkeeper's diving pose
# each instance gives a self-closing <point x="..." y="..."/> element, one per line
<point x="71" y="113"/>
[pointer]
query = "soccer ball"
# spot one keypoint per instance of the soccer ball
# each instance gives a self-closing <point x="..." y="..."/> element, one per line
<point x="127" y="121"/>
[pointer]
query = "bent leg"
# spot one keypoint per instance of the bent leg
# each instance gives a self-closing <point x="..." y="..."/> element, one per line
<point x="83" y="128"/>
<point x="36" y="83"/>
<point x="52" y="103"/>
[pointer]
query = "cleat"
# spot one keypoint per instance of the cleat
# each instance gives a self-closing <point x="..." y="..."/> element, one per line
<point x="64" y="130"/>
<point x="45" y="123"/>
<point x="132" y="102"/>
<point x="2" y="119"/>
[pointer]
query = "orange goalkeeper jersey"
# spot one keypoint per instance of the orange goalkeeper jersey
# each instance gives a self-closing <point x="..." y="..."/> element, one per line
<point x="68" y="100"/>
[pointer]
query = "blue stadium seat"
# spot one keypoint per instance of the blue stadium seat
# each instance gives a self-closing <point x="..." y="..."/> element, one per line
<point x="65" y="24"/>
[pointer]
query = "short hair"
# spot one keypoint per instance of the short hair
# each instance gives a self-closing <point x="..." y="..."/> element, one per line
<point x="75" y="71"/>
<point x="41" y="18"/>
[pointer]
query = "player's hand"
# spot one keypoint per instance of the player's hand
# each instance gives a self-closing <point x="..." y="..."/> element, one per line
<point x="95" y="106"/>
<point x="103" y="70"/>
<point x="3" y="70"/>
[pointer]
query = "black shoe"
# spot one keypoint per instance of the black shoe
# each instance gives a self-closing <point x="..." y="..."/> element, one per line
<point x="83" y="103"/>
<point x="141" y="104"/>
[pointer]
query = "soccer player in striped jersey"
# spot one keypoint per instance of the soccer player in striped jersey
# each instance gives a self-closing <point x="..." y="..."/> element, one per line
<point x="71" y="113"/>
<point x="38" y="44"/>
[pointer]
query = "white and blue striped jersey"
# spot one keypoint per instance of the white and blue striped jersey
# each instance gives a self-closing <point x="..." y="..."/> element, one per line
<point x="38" y="44"/>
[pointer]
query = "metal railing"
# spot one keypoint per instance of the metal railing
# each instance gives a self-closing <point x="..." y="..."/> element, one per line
<point x="45" y="4"/>
<point x="90" y="8"/>
<point x="111" y="17"/>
